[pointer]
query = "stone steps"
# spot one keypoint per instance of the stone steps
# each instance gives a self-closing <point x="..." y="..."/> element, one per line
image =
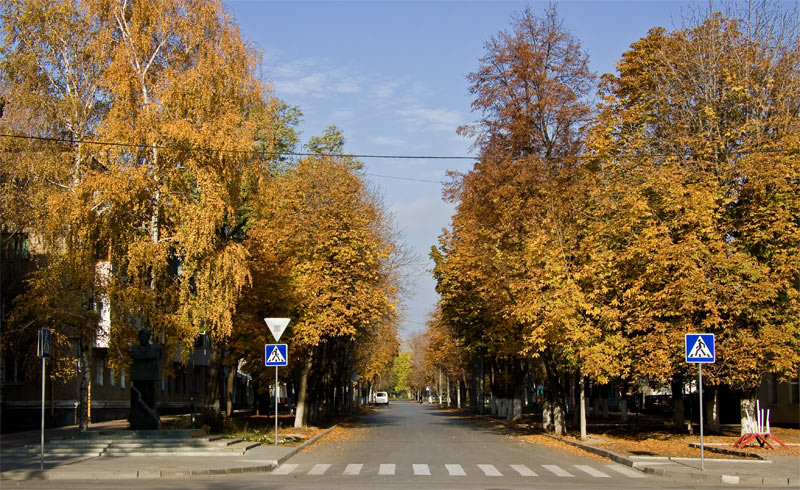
<point x="142" y="443"/>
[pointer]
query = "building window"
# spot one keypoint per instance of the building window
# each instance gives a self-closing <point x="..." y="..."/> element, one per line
<point x="122" y="381"/>
<point x="111" y="377"/>
<point x="794" y="390"/>
<point x="773" y="389"/>
<point x="13" y="372"/>
<point x="98" y="370"/>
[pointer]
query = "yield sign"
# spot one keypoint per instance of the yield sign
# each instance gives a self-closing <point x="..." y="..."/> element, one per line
<point x="275" y="355"/>
<point x="277" y="326"/>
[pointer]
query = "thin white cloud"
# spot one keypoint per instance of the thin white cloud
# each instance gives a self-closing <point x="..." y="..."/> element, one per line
<point x="426" y="118"/>
<point x="389" y="141"/>
<point x="310" y="78"/>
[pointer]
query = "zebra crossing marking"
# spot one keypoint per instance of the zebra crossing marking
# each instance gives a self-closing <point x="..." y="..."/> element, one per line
<point x="592" y="471"/>
<point x="558" y="471"/>
<point x="455" y="470"/>
<point x="285" y="469"/>
<point x="421" y="470"/>
<point x="489" y="470"/>
<point x="523" y="470"/>
<point x="625" y="471"/>
<point x="319" y="469"/>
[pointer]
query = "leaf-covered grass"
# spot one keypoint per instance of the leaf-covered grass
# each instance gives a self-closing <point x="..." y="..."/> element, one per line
<point x="253" y="428"/>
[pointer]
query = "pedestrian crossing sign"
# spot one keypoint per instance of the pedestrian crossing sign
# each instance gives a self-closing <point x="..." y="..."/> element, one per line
<point x="700" y="348"/>
<point x="275" y="355"/>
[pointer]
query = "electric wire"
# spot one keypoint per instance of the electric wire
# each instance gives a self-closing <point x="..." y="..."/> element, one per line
<point x="273" y="154"/>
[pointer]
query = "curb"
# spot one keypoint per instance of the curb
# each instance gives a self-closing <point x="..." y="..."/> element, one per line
<point x="18" y="475"/>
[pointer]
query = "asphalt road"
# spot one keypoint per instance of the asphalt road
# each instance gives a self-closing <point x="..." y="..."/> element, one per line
<point x="407" y="445"/>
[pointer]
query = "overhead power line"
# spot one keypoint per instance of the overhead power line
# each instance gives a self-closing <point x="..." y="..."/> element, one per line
<point x="223" y="150"/>
<point x="629" y="156"/>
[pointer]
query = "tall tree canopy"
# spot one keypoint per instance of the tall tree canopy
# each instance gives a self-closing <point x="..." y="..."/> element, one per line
<point x="698" y="179"/>
<point x="153" y="223"/>
<point x="516" y="206"/>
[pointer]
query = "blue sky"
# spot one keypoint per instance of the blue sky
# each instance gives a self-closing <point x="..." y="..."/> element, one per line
<point x="392" y="76"/>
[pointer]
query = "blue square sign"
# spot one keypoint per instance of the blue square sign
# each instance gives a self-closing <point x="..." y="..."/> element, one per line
<point x="275" y="355"/>
<point x="700" y="348"/>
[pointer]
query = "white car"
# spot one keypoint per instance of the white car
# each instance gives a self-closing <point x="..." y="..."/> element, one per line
<point x="381" y="398"/>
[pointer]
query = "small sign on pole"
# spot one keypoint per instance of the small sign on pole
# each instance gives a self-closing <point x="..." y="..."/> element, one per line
<point x="43" y="345"/>
<point x="277" y="326"/>
<point x="276" y="355"/>
<point x="700" y="349"/>
<point x="43" y="351"/>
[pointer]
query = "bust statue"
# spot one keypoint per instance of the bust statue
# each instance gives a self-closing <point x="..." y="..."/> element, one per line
<point x="146" y="357"/>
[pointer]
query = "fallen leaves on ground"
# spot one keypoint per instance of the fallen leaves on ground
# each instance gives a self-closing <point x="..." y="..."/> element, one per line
<point x="650" y="442"/>
<point x="340" y="435"/>
<point x="549" y="442"/>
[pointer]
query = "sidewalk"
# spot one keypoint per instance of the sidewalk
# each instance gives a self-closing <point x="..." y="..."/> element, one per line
<point x="772" y="471"/>
<point x="14" y="465"/>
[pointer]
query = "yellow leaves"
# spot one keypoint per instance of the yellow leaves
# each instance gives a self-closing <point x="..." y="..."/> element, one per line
<point x="324" y="232"/>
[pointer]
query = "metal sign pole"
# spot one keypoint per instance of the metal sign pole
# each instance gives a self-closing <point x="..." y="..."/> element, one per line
<point x="702" y="461"/>
<point x="41" y="459"/>
<point x="276" y="406"/>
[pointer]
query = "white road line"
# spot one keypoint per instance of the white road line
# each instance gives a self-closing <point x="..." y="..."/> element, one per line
<point x="285" y="469"/>
<point x="489" y="470"/>
<point x="353" y="469"/>
<point x="319" y="469"/>
<point x="421" y="470"/>
<point x="455" y="470"/>
<point x="557" y="470"/>
<point x="386" y="469"/>
<point x="625" y="471"/>
<point x="594" y="472"/>
<point x="523" y="470"/>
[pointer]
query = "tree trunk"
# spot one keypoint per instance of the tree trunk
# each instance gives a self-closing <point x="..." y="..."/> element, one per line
<point x="439" y="386"/>
<point x="302" y="395"/>
<point x="604" y="401"/>
<point x="711" y="409"/>
<point x="479" y="385"/>
<point x="747" y="407"/>
<point x="677" y="401"/>
<point x="212" y="411"/>
<point x="86" y="377"/>
<point x="582" y="408"/>
<point x="229" y="391"/>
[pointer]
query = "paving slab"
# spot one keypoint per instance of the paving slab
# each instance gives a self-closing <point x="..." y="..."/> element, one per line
<point x="17" y="464"/>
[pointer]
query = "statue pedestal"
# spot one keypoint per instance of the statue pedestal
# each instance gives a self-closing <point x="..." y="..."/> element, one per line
<point x="145" y="373"/>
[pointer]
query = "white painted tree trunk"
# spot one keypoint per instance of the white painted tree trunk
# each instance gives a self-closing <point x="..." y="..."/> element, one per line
<point x="747" y="405"/>
<point x="582" y="408"/>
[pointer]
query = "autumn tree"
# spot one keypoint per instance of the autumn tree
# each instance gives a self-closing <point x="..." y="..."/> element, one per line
<point x="53" y="57"/>
<point x="697" y="150"/>
<point x="162" y="210"/>
<point x="186" y="94"/>
<point x="531" y="90"/>
<point x="324" y="233"/>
